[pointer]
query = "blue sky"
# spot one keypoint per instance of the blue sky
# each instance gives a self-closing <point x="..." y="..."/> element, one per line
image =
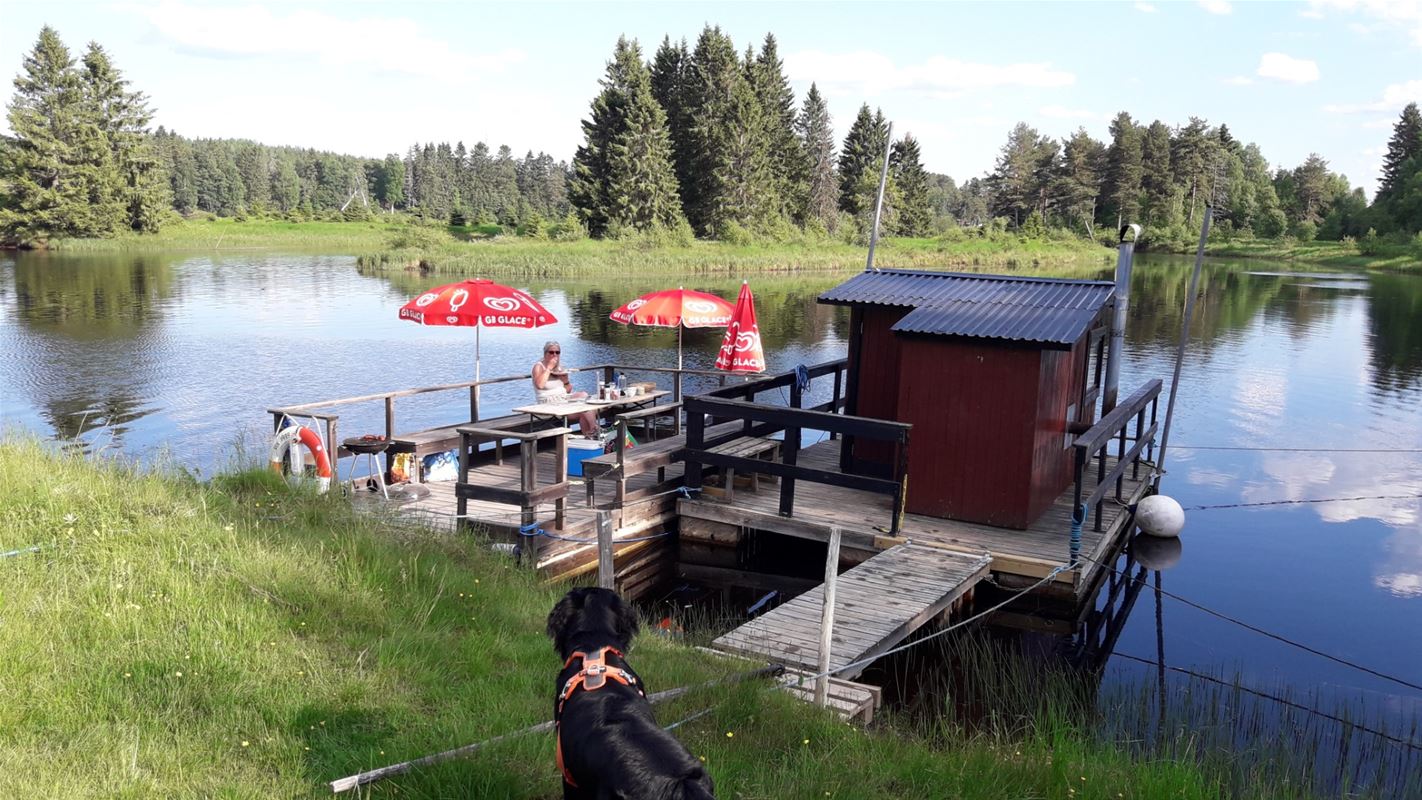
<point x="371" y="78"/>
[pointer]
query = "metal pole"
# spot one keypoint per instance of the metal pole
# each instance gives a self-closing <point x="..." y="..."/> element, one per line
<point x="1125" y="256"/>
<point x="477" y="356"/>
<point x="1184" y="338"/>
<point x="879" y="203"/>
<point x="827" y="619"/>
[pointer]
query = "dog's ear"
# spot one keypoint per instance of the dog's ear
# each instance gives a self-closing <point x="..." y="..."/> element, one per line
<point x="562" y="616"/>
<point x="627" y="622"/>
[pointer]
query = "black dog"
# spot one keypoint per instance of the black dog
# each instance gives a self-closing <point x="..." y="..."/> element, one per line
<point x="609" y="744"/>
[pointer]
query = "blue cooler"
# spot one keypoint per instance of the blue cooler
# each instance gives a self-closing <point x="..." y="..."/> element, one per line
<point x="580" y="449"/>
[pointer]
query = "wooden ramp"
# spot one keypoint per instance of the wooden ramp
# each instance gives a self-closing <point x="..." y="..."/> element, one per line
<point x="877" y="605"/>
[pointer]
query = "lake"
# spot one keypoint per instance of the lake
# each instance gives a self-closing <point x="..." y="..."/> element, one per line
<point x="1308" y="383"/>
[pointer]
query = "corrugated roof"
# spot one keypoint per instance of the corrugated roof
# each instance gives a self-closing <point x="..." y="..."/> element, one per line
<point x="1047" y="310"/>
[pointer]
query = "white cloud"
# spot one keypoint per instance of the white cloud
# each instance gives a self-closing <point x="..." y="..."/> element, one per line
<point x="1287" y="68"/>
<point x="1311" y="13"/>
<point x="1062" y="112"/>
<point x="1239" y="80"/>
<point x="389" y="44"/>
<point x="1404" y="14"/>
<point x="1217" y="6"/>
<point x="1380" y="122"/>
<point x="1394" y="97"/>
<point x="1146" y="8"/>
<point x="868" y="73"/>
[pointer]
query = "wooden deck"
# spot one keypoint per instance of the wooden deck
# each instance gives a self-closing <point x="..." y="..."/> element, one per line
<point x="877" y="605"/>
<point x="556" y="558"/>
<point x="1022" y="556"/>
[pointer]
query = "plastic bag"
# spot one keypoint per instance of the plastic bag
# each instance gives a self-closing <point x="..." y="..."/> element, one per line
<point x="442" y="466"/>
<point x="401" y="467"/>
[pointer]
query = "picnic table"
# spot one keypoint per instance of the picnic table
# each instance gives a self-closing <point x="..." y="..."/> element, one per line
<point x="572" y="408"/>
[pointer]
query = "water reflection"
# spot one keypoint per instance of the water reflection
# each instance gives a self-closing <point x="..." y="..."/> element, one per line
<point x="1395" y="328"/>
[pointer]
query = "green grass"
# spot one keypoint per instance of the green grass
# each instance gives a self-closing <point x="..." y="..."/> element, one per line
<point x="230" y="234"/>
<point x="1391" y="257"/>
<point x="241" y="639"/>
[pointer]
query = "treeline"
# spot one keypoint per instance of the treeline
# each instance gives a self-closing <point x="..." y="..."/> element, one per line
<point x="232" y="177"/>
<point x="1162" y="178"/>
<point x="705" y="140"/>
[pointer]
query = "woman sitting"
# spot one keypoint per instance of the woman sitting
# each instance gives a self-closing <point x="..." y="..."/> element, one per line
<point x="552" y="384"/>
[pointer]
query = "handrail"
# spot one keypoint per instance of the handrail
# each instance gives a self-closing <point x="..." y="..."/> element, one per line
<point x="1093" y="444"/>
<point x="486" y="434"/>
<point x="1109" y="425"/>
<point x="780" y="416"/>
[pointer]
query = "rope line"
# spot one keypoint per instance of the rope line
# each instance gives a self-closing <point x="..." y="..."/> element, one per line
<point x="915" y="643"/>
<point x="1265" y="503"/>
<point x="1270" y="634"/>
<point x="1300" y="449"/>
<point x="1277" y="699"/>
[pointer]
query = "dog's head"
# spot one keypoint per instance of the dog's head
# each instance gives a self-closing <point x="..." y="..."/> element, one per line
<point x="596" y="614"/>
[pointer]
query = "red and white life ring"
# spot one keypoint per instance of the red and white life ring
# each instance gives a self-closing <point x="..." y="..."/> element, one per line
<point x="286" y="453"/>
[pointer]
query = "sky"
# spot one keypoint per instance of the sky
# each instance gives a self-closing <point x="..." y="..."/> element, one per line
<point x="369" y="78"/>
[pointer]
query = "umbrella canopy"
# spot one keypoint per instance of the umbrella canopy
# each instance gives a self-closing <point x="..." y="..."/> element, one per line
<point x="740" y="348"/>
<point x="477" y="303"/>
<point x="675" y="308"/>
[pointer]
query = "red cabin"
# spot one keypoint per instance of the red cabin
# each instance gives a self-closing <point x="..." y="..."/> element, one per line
<point x="996" y="373"/>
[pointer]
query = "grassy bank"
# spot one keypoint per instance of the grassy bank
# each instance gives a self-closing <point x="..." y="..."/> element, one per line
<point x="238" y="639"/>
<point x="1342" y="255"/>
<point x="230" y="234"/>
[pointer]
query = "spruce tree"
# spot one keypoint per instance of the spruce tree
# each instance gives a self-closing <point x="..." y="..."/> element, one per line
<point x="58" y="169"/>
<point x="1121" y="191"/>
<point x="669" y="87"/>
<point x="1079" y="185"/>
<point x="730" y="170"/>
<point x="1157" y="184"/>
<point x="588" y="187"/>
<point x="789" y="168"/>
<point x="642" y="188"/>
<point x="1406" y="143"/>
<point x="915" y="212"/>
<point x="816" y="133"/>
<point x="1014" y="184"/>
<point x="140" y="188"/>
<point x="863" y="151"/>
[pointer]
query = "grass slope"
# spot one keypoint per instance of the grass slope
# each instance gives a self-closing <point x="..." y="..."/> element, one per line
<point x="239" y="639"/>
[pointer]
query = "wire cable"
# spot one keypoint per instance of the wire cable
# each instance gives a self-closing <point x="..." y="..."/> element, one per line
<point x="1266" y="503"/>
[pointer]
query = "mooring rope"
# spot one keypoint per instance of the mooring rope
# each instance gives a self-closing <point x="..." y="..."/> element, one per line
<point x="1299" y="449"/>
<point x="1270" y="634"/>
<point x="1266" y="503"/>
<point x="1277" y="699"/>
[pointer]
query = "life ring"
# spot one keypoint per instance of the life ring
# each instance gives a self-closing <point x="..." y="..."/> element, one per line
<point x="284" y="451"/>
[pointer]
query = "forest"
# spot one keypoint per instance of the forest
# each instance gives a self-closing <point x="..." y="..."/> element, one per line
<point x="699" y="140"/>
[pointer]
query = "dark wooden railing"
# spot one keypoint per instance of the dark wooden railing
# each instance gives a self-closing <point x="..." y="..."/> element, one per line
<point x="1094" y="445"/>
<point x="734" y="403"/>
<point x="528" y="495"/>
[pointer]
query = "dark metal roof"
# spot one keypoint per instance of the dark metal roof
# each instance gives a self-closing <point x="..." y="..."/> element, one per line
<point x="1052" y="311"/>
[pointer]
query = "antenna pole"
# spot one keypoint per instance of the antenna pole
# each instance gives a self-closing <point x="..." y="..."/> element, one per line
<point x="879" y="203"/>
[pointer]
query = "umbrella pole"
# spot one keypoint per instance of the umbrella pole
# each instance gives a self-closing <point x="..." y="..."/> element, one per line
<point x="477" y="357"/>
<point x="678" y="348"/>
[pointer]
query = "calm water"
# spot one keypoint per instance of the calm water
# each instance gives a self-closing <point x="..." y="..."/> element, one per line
<point x="179" y="356"/>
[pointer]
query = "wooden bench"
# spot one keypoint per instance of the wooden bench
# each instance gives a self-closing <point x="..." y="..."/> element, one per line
<point x="745" y="447"/>
<point x="439" y="440"/>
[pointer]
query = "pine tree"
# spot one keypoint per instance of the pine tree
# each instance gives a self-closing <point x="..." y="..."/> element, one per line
<point x="588" y="188"/>
<point x="789" y="168"/>
<point x="642" y="188"/>
<point x="1079" y="185"/>
<point x="669" y="87"/>
<point x="390" y="183"/>
<point x="1312" y="189"/>
<point x="140" y="185"/>
<point x="1405" y="144"/>
<point x="816" y="133"/>
<point x="1121" y="192"/>
<point x="1016" y="183"/>
<point x="58" y="168"/>
<point x="1157" y="184"/>
<point x="915" y="212"/>
<point x="863" y="151"/>
<point x="1192" y="160"/>
<point x="713" y="79"/>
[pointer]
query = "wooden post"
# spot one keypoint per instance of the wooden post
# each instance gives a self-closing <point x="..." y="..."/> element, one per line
<point x="560" y="475"/>
<point x="461" y="504"/>
<point x="528" y="481"/>
<point x="606" y="574"/>
<point x="789" y="454"/>
<point x="827" y="619"/>
<point x="695" y="440"/>
<point x="676" y="398"/>
<point x="389" y="418"/>
<point x="473" y="403"/>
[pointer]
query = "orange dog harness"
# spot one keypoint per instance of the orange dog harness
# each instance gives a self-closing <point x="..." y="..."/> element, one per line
<point x="590" y="678"/>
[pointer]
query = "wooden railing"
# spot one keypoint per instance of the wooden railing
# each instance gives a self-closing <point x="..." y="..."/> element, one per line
<point x="528" y="496"/>
<point x="759" y="419"/>
<point x="1094" y="444"/>
<point x="322" y="410"/>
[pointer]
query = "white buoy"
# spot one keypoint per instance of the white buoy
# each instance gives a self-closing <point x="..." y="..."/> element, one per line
<point x="1161" y="516"/>
<point x="1156" y="553"/>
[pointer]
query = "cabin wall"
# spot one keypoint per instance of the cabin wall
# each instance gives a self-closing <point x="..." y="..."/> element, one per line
<point x="1061" y="383"/>
<point x="874" y="378"/>
<point x="973" y="407"/>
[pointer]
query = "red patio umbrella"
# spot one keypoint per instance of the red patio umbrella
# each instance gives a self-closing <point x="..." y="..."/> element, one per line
<point x="675" y="308"/>
<point x="478" y="303"/>
<point x="740" y="348"/>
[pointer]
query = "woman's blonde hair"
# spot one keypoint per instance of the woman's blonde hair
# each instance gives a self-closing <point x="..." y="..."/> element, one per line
<point x="551" y="343"/>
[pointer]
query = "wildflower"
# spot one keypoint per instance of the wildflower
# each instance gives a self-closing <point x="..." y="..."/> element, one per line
<point x="476" y="580"/>
<point x="306" y="748"/>
<point x="323" y="722"/>
<point x="729" y="734"/>
<point x="179" y="674"/>
<point x="807" y="741"/>
<point x="245" y="743"/>
<point x="1083" y="777"/>
<point x="703" y="758"/>
<point x="382" y="752"/>
<point x="227" y="528"/>
<point x="70" y="519"/>
<point x="128" y="675"/>
<point x="303" y="624"/>
<point x="299" y="672"/>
